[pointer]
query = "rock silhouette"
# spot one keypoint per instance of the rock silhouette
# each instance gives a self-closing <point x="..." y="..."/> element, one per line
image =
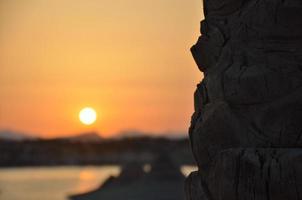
<point x="246" y="131"/>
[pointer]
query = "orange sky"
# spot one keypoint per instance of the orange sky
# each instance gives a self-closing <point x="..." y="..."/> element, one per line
<point x="128" y="59"/>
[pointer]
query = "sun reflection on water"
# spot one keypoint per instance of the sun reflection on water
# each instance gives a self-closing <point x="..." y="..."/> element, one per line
<point x="89" y="178"/>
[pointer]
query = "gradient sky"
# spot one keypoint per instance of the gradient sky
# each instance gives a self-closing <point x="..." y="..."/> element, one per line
<point x="128" y="59"/>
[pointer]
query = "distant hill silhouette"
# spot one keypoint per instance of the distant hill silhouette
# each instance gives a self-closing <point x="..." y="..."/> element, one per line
<point x="15" y="135"/>
<point x="84" y="137"/>
<point x="9" y="135"/>
<point x="90" y="136"/>
<point x="137" y="133"/>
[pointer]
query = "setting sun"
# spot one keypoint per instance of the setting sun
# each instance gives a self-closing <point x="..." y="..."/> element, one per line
<point x="87" y="116"/>
<point x="118" y="57"/>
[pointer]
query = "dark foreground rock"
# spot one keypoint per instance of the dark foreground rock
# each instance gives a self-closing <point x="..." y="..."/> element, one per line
<point x="246" y="131"/>
<point x="163" y="182"/>
<point x="249" y="173"/>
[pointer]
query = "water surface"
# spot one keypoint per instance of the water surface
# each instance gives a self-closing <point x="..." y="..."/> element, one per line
<point x="55" y="183"/>
<point x="51" y="183"/>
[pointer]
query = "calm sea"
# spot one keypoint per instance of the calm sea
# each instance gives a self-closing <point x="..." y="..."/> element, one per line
<point x="54" y="183"/>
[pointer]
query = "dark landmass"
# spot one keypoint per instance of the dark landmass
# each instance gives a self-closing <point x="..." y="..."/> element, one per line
<point x="91" y="152"/>
<point x="164" y="181"/>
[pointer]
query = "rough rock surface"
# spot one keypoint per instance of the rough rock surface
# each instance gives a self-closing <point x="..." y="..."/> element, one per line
<point x="246" y="131"/>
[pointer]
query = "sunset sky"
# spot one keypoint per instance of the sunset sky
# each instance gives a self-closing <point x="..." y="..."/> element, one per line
<point x="128" y="59"/>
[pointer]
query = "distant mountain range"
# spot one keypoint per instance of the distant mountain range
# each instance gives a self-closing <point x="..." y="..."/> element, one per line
<point x="15" y="136"/>
<point x="136" y="133"/>
<point x="89" y="136"/>
<point x="20" y="136"/>
<point x="84" y="137"/>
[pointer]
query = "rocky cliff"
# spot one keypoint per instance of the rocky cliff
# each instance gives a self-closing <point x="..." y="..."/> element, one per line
<point x="246" y="131"/>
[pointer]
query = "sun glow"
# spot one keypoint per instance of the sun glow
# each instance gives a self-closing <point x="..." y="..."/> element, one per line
<point x="87" y="116"/>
